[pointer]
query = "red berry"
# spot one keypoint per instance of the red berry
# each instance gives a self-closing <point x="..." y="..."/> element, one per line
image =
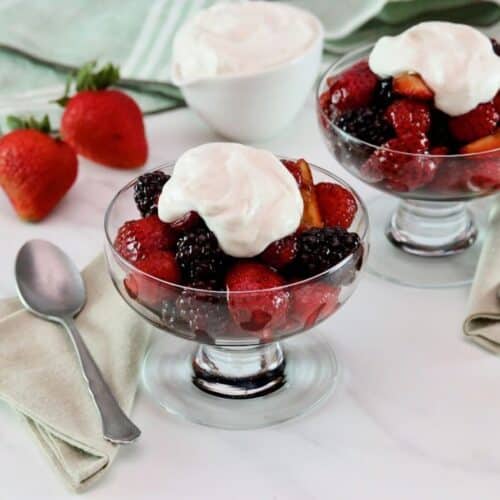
<point x="399" y="171"/>
<point x="36" y="172"/>
<point x="136" y="239"/>
<point x="259" y="308"/>
<point x="354" y="88"/>
<point x="337" y="205"/>
<point x="280" y="253"/>
<point x="479" y="122"/>
<point x="186" y="222"/>
<point x="313" y="302"/>
<point x="408" y="116"/>
<point x="451" y="176"/>
<point x="160" y="264"/>
<point x="484" y="175"/>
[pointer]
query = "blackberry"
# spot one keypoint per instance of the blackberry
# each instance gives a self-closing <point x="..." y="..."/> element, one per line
<point x="147" y="190"/>
<point x="320" y="249"/>
<point x="496" y="46"/>
<point x="384" y="94"/>
<point x="200" y="257"/>
<point x="439" y="134"/>
<point x="366" y="124"/>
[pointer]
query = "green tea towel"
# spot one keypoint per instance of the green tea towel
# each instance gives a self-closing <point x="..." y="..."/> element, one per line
<point x="135" y="35"/>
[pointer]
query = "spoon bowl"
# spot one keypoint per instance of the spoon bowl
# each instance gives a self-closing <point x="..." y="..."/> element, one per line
<point x="48" y="282"/>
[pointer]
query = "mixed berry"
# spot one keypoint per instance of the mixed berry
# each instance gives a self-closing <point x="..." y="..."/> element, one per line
<point x="227" y="294"/>
<point x="398" y="115"/>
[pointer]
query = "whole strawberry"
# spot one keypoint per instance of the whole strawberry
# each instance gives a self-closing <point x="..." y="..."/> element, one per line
<point x="36" y="170"/>
<point x="104" y="125"/>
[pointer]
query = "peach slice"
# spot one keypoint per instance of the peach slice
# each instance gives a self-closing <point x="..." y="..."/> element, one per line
<point x="302" y="172"/>
<point x="412" y="86"/>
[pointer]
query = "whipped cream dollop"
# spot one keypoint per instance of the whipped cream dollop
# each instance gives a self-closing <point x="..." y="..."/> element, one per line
<point x="456" y="61"/>
<point x="240" y="39"/>
<point x="246" y="196"/>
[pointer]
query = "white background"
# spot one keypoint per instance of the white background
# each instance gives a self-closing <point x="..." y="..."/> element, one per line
<point x="416" y="414"/>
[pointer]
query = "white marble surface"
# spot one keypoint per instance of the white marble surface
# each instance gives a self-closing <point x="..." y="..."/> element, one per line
<point x="416" y="414"/>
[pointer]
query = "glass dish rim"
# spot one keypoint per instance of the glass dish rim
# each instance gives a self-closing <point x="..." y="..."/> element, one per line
<point x="346" y="136"/>
<point x="226" y="293"/>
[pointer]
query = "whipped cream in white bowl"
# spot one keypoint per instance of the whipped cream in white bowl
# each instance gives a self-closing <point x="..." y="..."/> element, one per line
<point x="247" y="67"/>
<point x="456" y="61"/>
<point x="246" y="196"/>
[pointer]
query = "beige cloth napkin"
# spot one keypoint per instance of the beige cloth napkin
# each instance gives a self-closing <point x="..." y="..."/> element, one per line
<point x="483" y="322"/>
<point x="41" y="379"/>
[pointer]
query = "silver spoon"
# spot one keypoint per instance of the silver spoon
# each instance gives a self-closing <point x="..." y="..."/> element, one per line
<point x="50" y="286"/>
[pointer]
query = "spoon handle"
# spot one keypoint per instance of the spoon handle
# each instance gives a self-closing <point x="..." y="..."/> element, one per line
<point x="116" y="426"/>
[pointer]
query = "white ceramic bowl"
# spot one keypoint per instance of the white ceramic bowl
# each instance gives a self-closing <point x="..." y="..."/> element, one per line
<point x="255" y="107"/>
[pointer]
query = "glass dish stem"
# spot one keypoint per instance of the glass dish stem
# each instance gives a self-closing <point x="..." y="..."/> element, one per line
<point x="431" y="229"/>
<point x="239" y="372"/>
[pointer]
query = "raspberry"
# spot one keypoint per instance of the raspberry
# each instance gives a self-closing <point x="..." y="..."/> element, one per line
<point x="138" y="238"/>
<point x="408" y="116"/>
<point x="353" y="88"/>
<point x="384" y="94"/>
<point x="147" y="190"/>
<point x="366" y="124"/>
<point x="321" y="249"/>
<point x="259" y="308"/>
<point x="200" y="256"/>
<point x="336" y="204"/>
<point x="280" y="253"/>
<point x="401" y="172"/>
<point x="479" y="122"/>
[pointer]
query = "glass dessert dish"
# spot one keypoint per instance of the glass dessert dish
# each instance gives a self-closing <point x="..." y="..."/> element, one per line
<point x="433" y="219"/>
<point x="245" y="372"/>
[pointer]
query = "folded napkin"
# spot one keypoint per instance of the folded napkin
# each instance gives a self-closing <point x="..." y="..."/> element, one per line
<point x="41" y="379"/>
<point x="483" y="322"/>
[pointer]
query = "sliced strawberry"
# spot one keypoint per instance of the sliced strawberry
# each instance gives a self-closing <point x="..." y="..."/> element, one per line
<point x="488" y="143"/>
<point x="408" y="116"/>
<point x="411" y="85"/>
<point x="136" y="239"/>
<point x="479" y="122"/>
<point x="337" y="205"/>
<point x="353" y="88"/>
<point x="280" y="253"/>
<point x="160" y="264"/>
<point x="399" y="171"/>
<point x="313" y="302"/>
<point x="256" y="310"/>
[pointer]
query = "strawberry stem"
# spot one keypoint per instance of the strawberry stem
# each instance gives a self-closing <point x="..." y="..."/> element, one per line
<point x="90" y="78"/>
<point x="16" y="123"/>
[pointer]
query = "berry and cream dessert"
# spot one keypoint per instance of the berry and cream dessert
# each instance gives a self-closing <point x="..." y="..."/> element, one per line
<point x="423" y="111"/>
<point x="221" y="238"/>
